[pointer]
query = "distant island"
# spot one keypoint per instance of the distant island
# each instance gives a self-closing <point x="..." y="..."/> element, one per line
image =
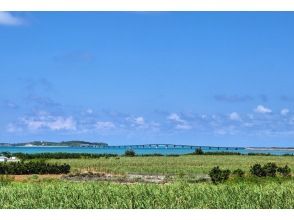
<point x="62" y="143"/>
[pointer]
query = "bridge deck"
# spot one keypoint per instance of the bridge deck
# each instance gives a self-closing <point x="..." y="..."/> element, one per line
<point x="175" y="146"/>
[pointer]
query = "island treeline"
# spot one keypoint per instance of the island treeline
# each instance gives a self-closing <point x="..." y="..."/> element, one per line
<point x="62" y="143"/>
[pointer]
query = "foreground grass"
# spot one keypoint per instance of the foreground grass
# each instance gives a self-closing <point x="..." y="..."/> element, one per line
<point x="196" y="164"/>
<point x="60" y="194"/>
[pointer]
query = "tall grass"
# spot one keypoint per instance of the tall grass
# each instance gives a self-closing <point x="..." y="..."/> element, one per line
<point x="196" y="164"/>
<point x="175" y="195"/>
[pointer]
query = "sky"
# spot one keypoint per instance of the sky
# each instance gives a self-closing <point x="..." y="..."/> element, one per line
<point x="201" y="78"/>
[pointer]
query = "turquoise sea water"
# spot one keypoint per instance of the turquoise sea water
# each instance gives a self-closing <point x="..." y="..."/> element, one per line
<point x="139" y="150"/>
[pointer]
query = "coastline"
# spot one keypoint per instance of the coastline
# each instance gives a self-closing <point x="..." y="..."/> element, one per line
<point x="271" y="149"/>
<point x="38" y="146"/>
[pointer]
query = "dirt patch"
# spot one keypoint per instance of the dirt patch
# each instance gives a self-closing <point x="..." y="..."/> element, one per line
<point x="24" y="178"/>
<point x="129" y="178"/>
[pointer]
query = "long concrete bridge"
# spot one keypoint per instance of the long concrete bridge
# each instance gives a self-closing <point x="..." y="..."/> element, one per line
<point x="173" y="146"/>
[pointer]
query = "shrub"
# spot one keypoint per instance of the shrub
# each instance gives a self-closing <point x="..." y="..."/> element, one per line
<point x="57" y="155"/>
<point x="222" y="153"/>
<point x="219" y="176"/>
<point x="199" y="151"/>
<point x="257" y="170"/>
<point x="284" y="171"/>
<point x="270" y="169"/>
<point x="239" y="173"/>
<point x="130" y="153"/>
<point x="21" y="168"/>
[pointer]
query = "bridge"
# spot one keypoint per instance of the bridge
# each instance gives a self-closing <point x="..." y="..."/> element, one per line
<point x="173" y="146"/>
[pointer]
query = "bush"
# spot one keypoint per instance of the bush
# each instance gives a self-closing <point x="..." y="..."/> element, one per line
<point x="219" y="176"/>
<point x="222" y="153"/>
<point x="239" y="173"/>
<point x="284" y="171"/>
<point x="257" y="170"/>
<point x="57" y="155"/>
<point x="21" y="168"/>
<point x="270" y="169"/>
<point x="199" y="151"/>
<point x="130" y="153"/>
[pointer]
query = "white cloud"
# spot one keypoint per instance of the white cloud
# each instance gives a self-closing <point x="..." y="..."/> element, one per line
<point x="176" y="118"/>
<point x="234" y="116"/>
<point x="263" y="110"/>
<point x="42" y="120"/>
<point x="6" y="18"/>
<point x="285" y="111"/>
<point x="53" y="123"/>
<point x="140" y="121"/>
<point x="89" y="111"/>
<point x="179" y="122"/>
<point x="104" y="125"/>
<point x="183" y="126"/>
<point x="61" y="123"/>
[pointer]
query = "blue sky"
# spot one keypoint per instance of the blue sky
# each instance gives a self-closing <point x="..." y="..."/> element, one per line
<point x="139" y="77"/>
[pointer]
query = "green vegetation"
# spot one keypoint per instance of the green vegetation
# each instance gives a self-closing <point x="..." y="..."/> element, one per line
<point x="177" y="195"/>
<point x="187" y="165"/>
<point x="5" y="180"/>
<point x="284" y="171"/>
<point x="130" y="153"/>
<point x="238" y="173"/>
<point x="199" y="151"/>
<point x="270" y="169"/>
<point x="219" y="176"/>
<point x="187" y="183"/>
<point x="33" y="168"/>
<point x="62" y="143"/>
<point x="23" y="156"/>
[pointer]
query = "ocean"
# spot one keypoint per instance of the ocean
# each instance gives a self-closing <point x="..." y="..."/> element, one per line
<point x="139" y="150"/>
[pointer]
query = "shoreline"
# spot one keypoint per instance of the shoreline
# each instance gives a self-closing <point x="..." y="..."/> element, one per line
<point x="58" y="146"/>
<point x="271" y="149"/>
<point x="37" y="146"/>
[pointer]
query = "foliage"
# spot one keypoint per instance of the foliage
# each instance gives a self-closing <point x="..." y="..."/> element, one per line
<point x="257" y="170"/>
<point x="270" y="169"/>
<point x="222" y="153"/>
<point x="239" y="173"/>
<point x="21" y="168"/>
<point x="100" y="195"/>
<point x="284" y="171"/>
<point x="199" y="151"/>
<point x="5" y="180"/>
<point x="59" y="155"/>
<point x="219" y="176"/>
<point x="259" y="154"/>
<point x="130" y="153"/>
<point x="189" y="165"/>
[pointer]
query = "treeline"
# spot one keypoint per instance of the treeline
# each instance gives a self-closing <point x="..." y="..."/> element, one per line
<point x="128" y="153"/>
<point x="62" y="143"/>
<point x="25" y="156"/>
<point x="199" y="151"/>
<point x="21" y="168"/>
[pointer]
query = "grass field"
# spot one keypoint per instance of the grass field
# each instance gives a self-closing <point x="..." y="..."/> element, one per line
<point x="196" y="164"/>
<point x="248" y="192"/>
<point x="176" y="195"/>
